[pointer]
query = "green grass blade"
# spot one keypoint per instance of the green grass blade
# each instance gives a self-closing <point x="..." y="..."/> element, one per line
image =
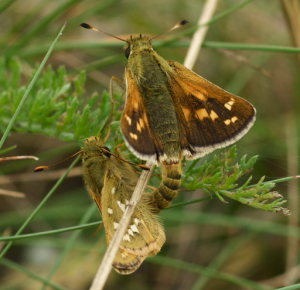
<point x="98" y="8"/>
<point x="70" y="45"/>
<point x="5" y="4"/>
<point x="47" y="233"/>
<point x="228" y="11"/>
<point x="248" y="46"/>
<point x="42" y="25"/>
<point x="291" y="287"/>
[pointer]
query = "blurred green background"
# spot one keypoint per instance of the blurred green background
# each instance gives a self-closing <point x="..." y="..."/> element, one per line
<point x="255" y="249"/>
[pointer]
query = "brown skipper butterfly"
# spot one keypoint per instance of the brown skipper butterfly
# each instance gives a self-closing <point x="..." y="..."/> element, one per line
<point x="171" y="113"/>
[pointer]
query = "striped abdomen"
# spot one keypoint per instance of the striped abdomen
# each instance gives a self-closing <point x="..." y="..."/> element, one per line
<point x="168" y="188"/>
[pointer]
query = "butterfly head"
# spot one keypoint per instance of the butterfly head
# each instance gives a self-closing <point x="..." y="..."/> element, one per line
<point x="94" y="147"/>
<point x="136" y="44"/>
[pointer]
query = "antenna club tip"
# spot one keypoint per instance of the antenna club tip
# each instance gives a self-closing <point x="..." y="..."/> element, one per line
<point x="179" y="24"/>
<point x="85" y="25"/>
<point x="40" y="168"/>
<point x="88" y="26"/>
<point x="144" y="167"/>
<point x="183" y="22"/>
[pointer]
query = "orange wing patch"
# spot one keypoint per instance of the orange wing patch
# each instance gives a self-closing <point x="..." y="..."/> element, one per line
<point x="211" y="117"/>
<point x="134" y="123"/>
<point x="202" y="113"/>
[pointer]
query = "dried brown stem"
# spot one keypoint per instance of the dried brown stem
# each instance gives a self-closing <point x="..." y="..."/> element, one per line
<point x="106" y="264"/>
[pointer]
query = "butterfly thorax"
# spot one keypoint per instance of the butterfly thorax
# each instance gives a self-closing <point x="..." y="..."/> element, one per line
<point x="151" y="80"/>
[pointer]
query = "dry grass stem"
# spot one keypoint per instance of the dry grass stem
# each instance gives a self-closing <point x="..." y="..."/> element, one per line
<point x="106" y="264"/>
<point x="190" y="59"/>
<point x="5" y="233"/>
<point x="12" y="193"/>
<point x="199" y="35"/>
<point x="9" y="158"/>
<point x="292" y="13"/>
<point x="36" y="176"/>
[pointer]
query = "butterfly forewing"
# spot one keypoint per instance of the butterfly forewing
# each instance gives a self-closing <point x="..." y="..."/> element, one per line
<point x="134" y="122"/>
<point x="212" y="117"/>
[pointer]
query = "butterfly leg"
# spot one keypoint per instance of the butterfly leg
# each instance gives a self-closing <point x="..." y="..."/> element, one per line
<point x="114" y="84"/>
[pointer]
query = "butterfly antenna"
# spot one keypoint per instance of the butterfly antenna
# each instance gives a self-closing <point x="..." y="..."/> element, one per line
<point x="141" y="166"/>
<point x="88" y="26"/>
<point x="176" y="26"/>
<point x="46" y="167"/>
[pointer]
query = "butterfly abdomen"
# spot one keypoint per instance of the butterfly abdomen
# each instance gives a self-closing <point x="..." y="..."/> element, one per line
<point x="168" y="188"/>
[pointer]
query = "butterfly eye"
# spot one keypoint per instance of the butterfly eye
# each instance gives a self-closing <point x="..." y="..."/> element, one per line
<point x="127" y="51"/>
<point x="106" y="151"/>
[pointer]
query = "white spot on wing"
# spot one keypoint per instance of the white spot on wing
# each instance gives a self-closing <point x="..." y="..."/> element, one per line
<point x="213" y="115"/>
<point x="204" y="150"/>
<point x="133" y="136"/>
<point x="121" y="205"/>
<point x="126" y="238"/>
<point x="134" y="228"/>
<point x="130" y="232"/>
<point x="116" y="225"/>
<point x="234" y="119"/>
<point x="113" y="190"/>
<point x="227" y="106"/>
<point x="128" y="119"/>
<point x="109" y="210"/>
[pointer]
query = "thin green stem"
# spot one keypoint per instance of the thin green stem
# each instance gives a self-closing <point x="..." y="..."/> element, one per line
<point x="247" y="46"/>
<point x="71" y="45"/>
<point x="228" y="11"/>
<point x="5" y="4"/>
<point x="8" y="149"/>
<point x="97" y="9"/>
<point x="279" y="180"/>
<point x="41" y="25"/>
<point x="47" y="233"/>
<point x="291" y="287"/>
